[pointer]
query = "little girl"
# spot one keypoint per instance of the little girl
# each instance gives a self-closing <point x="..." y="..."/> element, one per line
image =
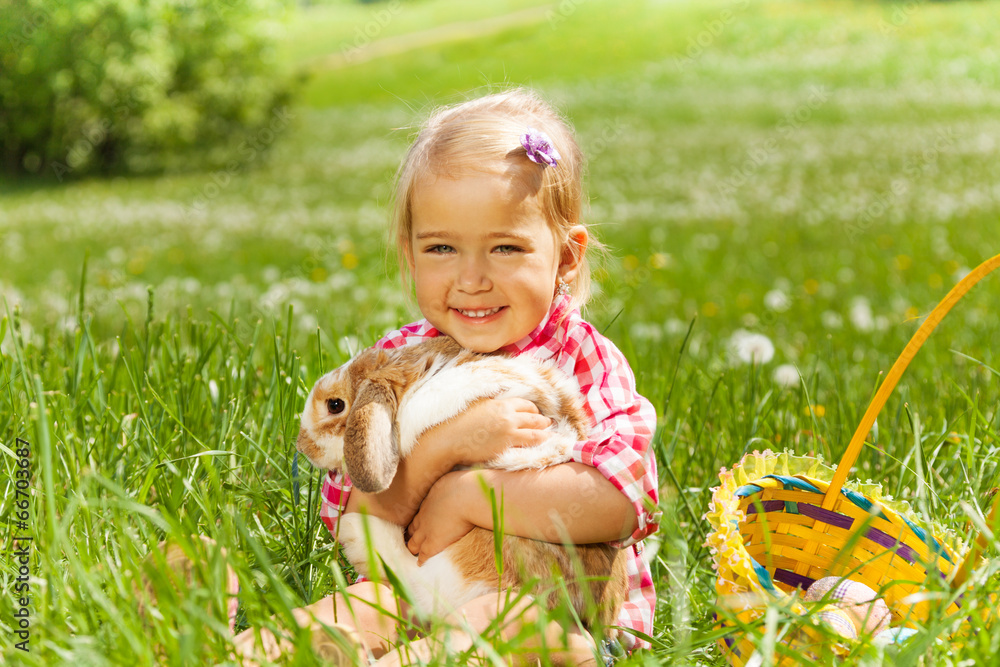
<point x="488" y="224"/>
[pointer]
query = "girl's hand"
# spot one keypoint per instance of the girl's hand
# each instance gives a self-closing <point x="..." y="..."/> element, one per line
<point x="477" y="435"/>
<point x="440" y="521"/>
<point x="486" y="429"/>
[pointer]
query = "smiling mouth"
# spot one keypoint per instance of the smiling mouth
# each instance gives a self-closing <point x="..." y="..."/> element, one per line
<point x="480" y="313"/>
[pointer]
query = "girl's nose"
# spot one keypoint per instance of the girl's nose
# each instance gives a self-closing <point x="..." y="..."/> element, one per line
<point x="473" y="275"/>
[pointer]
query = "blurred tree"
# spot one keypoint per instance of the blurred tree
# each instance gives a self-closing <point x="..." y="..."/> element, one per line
<point x="137" y="85"/>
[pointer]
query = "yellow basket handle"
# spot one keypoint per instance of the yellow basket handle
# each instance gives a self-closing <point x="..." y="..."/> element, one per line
<point x="919" y="338"/>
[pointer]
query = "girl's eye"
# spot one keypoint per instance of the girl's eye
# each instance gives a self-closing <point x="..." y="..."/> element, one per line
<point x="335" y="405"/>
<point x="439" y="249"/>
<point x="507" y="249"/>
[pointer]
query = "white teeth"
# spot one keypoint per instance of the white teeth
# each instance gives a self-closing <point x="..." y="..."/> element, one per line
<point x="478" y="313"/>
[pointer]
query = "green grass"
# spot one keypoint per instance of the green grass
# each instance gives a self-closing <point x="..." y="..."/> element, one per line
<point x="318" y="31"/>
<point x="877" y="190"/>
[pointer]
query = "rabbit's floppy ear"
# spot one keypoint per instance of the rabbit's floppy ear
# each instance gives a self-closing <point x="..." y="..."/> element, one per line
<point x="304" y="441"/>
<point x="371" y="441"/>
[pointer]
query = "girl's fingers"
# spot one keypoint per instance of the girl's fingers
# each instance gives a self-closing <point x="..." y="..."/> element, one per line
<point x="529" y="437"/>
<point x="414" y="545"/>
<point x="527" y="414"/>
<point x="415" y="538"/>
<point x="535" y="421"/>
<point x="521" y="404"/>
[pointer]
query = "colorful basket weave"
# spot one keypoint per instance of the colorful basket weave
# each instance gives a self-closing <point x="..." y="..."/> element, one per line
<point x="781" y="521"/>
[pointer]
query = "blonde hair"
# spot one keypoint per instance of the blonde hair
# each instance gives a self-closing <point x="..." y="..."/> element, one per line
<point x="487" y="131"/>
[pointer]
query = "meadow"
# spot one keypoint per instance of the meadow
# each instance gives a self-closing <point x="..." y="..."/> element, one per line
<point x="818" y="173"/>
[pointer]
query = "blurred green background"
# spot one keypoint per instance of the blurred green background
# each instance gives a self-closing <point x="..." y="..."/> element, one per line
<point x="823" y="151"/>
<point x="819" y="172"/>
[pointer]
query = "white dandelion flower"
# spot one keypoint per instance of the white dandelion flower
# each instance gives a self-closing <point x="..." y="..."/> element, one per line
<point x="777" y="300"/>
<point x="117" y="256"/>
<point x="270" y="274"/>
<point x="675" y="326"/>
<point x="308" y="322"/>
<point x="646" y="331"/>
<point x="832" y="319"/>
<point x="786" y="375"/>
<point x="861" y="314"/>
<point x="751" y="348"/>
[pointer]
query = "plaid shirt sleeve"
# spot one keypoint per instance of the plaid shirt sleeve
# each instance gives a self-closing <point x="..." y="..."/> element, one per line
<point x="337" y="485"/>
<point x="618" y="445"/>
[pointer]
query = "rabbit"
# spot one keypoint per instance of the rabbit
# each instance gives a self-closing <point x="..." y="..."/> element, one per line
<point x="368" y="414"/>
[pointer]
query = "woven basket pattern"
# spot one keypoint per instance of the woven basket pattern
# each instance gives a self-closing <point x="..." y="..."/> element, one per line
<point x="781" y="521"/>
<point x="768" y="512"/>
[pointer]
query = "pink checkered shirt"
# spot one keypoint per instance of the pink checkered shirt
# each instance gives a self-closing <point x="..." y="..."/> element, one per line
<point x="618" y="446"/>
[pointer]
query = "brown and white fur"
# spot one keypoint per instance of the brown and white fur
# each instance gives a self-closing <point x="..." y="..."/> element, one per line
<point x="368" y="414"/>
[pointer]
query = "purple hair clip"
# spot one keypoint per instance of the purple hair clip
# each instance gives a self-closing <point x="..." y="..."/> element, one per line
<point x="539" y="148"/>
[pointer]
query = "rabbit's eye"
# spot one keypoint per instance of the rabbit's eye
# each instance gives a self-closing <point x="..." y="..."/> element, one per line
<point x="335" y="405"/>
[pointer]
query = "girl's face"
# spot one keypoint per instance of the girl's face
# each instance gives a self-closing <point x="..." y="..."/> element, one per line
<point x="483" y="258"/>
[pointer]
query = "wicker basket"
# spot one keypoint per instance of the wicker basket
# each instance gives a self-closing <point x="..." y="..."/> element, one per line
<point x="780" y="521"/>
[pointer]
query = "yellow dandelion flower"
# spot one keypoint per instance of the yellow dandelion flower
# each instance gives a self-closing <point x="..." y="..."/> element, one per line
<point x="136" y="265"/>
<point x="817" y="410"/>
<point x="812" y="286"/>
<point x="658" y="260"/>
<point x="349" y="261"/>
<point x="709" y="309"/>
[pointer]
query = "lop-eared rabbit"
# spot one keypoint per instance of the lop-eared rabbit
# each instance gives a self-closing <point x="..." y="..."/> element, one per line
<point x="369" y="413"/>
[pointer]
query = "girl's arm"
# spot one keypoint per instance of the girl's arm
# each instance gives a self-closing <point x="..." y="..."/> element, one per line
<point x="475" y="436"/>
<point x="621" y="468"/>
<point x="569" y="502"/>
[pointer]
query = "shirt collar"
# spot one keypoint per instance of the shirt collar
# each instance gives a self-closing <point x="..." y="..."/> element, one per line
<point x="544" y="341"/>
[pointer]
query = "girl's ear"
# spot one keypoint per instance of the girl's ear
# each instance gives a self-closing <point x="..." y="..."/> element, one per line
<point x="573" y="251"/>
